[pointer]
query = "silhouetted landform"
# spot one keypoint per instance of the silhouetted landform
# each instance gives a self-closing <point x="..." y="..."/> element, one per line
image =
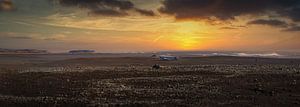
<point x="97" y="81"/>
<point x="22" y="51"/>
<point x="81" y="51"/>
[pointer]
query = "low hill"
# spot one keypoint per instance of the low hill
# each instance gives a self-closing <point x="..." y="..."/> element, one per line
<point x="22" y="51"/>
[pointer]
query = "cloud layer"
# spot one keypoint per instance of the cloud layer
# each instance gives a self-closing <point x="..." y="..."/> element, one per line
<point x="275" y="23"/>
<point x="230" y="9"/>
<point x="293" y="29"/>
<point x="107" y="7"/>
<point x="6" y="5"/>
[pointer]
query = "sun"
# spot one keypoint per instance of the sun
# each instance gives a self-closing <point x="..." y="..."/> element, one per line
<point x="188" y="27"/>
<point x="187" y="35"/>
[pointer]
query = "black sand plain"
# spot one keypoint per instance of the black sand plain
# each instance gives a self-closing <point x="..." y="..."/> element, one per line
<point x="37" y="81"/>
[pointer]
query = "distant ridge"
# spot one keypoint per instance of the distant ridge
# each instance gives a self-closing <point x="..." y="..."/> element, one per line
<point x="81" y="51"/>
<point x="22" y="51"/>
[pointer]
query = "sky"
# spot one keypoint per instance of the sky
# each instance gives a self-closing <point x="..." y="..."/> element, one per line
<point x="150" y="25"/>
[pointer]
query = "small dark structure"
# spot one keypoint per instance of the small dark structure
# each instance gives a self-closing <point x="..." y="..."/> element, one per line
<point x="167" y="58"/>
<point x="153" y="56"/>
<point x="156" y="66"/>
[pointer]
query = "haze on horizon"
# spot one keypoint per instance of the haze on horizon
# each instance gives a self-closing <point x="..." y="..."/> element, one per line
<point x="151" y="25"/>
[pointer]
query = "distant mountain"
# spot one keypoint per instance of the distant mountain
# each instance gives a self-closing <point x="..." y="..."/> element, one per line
<point x="81" y="51"/>
<point x="22" y="51"/>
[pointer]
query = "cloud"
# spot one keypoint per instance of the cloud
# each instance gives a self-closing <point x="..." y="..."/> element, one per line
<point x="273" y="23"/>
<point x="145" y="12"/>
<point x="228" y="28"/>
<point x="293" y="13"/>
<point x="6" y="5"/>
<point x="106" y="7"/>
<point x="32" y="36"/>
<point x="293" y="29"/>
<point x="230" y="9"/>
<point x="22" y="37"/>
<point x="276" y="23"/>
<point x="109" y="12"/>
<point x="55" y="37"/>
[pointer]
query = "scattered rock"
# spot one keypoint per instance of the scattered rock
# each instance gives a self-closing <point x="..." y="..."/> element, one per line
<point x="156" y="66"/>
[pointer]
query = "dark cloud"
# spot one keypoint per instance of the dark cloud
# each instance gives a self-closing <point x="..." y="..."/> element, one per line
<point x="232" y="27"/>
<point x="277" y="23"/>
<point x="228" y="28"/>
<point x="294" y="14"/>
<point x="274" y="23"/>
<point x="145" y="12"/>
<point x="293" y="29"/>
<point x="106" y="7"/>
<point x="6" y="5"/>
<point x="97" y="4"/>
<point x="229" y="9"/>
<point x="109" y="12"/>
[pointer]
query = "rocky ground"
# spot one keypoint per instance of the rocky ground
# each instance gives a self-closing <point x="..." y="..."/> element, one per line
<point x="213" y="81"/>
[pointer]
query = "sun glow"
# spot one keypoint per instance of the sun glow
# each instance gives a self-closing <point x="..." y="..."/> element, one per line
<point x="188" y="35"/>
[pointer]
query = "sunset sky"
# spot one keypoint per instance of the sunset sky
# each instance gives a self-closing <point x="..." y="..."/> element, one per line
<point x="151" y="25"/>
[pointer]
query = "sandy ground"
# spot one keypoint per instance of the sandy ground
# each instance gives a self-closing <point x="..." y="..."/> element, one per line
<point x="131" y="81"/>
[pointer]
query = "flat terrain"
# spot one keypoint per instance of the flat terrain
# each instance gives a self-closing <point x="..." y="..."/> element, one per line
<point x="29" y="80"/>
